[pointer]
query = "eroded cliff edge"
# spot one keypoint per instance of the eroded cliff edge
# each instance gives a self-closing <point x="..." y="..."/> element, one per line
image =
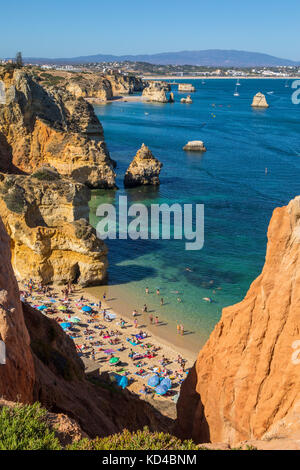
<point x="245" y="384"/>
<point x="49" y="125"/>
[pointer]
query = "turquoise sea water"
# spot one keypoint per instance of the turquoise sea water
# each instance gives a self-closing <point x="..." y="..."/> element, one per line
<point x="229" y="179"/>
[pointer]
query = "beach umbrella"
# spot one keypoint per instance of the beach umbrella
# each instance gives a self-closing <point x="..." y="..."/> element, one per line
<point x="86" y="308"/>
<point x="75" y="320"/>
<point x="161" y="389"/>
<point x="153" y="381"/>
<point x="114" y="360"/>
<point x="65" y="325"/>
<point x="42" y="307"/>
<point x="109" y="351"/>
<point x="111" y="316"/>
<point x="166" y="382"/>
<point x="123" y="382"/>
<point x="62" y="307"/>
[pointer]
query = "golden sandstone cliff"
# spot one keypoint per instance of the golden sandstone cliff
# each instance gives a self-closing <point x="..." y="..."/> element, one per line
<point x="51" y="241"/>
<point x="48" y="125"/>
<point x="246" y="381"/>
<point x="102" y="87"/>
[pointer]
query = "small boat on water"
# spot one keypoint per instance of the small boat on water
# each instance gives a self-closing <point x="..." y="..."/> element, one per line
<point x="238" y="82"/>
<point x="236" y="93"/>
<point x="270" y="92"/>
<point x="286" y="84"/>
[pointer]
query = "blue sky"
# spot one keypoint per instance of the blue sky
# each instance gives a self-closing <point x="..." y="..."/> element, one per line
<point x="68" y="28"/>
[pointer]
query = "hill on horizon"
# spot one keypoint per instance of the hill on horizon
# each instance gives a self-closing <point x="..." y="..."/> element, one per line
<point x="210" y="57"/>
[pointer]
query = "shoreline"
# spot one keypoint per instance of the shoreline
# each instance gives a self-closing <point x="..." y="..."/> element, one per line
<point x="162" y="333"/>
<point x="98" y="339"/>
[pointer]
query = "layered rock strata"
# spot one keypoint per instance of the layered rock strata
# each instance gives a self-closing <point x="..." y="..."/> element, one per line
<point x="48" y="125"/>
<point x="51" y="239"/>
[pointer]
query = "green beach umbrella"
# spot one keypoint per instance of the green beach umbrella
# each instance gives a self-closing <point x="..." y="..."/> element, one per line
<point x="114" y="360"/>
<point x="75" y="320"/>
<point x="62" y="307"/>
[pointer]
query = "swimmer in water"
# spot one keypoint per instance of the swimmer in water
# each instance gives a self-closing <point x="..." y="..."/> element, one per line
<point x="189" y="270"/>
<point x="207" y="299"/>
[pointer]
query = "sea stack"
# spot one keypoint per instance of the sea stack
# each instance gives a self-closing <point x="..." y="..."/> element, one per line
<point x="195" y="146"/>
<point x="259" y="101"/>
<point x="143" y="170"/>
<point x="187" y="100"/>
<point x="155" y="92"/>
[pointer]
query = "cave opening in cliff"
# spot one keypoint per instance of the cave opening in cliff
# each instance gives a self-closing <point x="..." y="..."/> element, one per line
<point x="75" y="274"/>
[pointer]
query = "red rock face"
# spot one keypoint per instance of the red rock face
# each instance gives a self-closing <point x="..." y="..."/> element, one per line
<point x="17" y="375"/>
<point x="246" y="381"/>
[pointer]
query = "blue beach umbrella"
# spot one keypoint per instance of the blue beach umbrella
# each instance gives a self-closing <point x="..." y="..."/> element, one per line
<point x="161" y="389"/>
<point x="65" y="325"/>
<point x="153" y="381"/>
<point x="86" y="308"/>
<point x="166" y="382"/>
<point x="42" y="307"/>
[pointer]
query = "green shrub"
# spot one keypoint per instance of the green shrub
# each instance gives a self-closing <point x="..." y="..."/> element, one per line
<point x="23" y="427"/>
<point x="139" y="440"/>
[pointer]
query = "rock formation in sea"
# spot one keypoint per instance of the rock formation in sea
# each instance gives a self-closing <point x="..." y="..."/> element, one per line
<point x="187" y="100"/>
<point x="42" y="365"/>
<point x="155" y="92"/>
<point x="48" y="125"/>
<point x="245" y="383"/>
<point x="143" y="170"/>
<point x="259" y="101"/>
<point x="90" y="85"/>
<point x="187" y="87"/>
<point x="195" y="146"/>
<point x="46" y="217"/>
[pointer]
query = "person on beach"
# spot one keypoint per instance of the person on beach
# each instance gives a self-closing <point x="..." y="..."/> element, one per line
<point x="156" y="320"/>
<point x="99" y="304"/>
<point x="147" y="290"/>
<point x="178" y="328"/>
<point x="145" y="308"/>
<point x="151" y="319"/>
<point x="135" y="323"/>
<point x="157" y="291"/>
<point x="181" y="330"/>
<point x="134" y="313"/>
<point x="104" y="296"/>
<point x="161" y="301"/>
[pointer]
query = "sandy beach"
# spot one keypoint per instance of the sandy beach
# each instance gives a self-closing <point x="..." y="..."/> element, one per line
<point x="101" y="334"/>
